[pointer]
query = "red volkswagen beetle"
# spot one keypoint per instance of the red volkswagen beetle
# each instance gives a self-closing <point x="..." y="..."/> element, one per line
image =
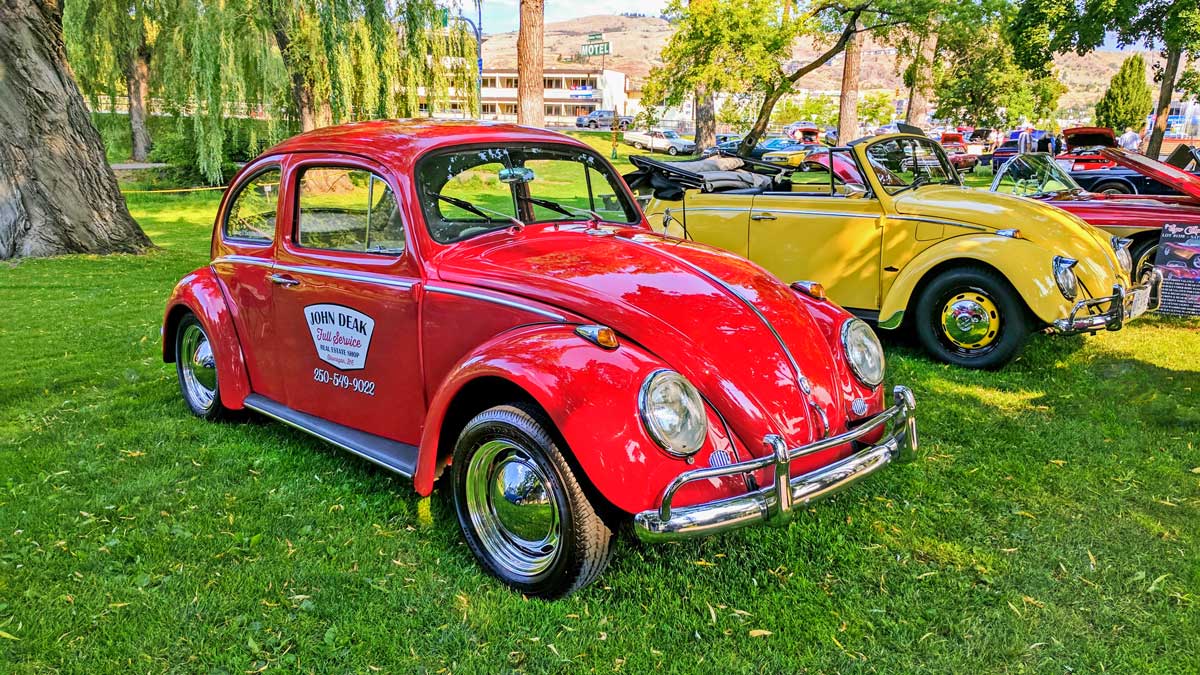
<point x="487" y="299"/>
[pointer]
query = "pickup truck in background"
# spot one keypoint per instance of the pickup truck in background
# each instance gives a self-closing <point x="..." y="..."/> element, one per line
<point x="603" y="118"/>
<point x="660" y="140"/>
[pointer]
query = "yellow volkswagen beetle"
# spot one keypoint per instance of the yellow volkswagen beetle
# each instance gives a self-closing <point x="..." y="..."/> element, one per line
<point x="886" y="228"/>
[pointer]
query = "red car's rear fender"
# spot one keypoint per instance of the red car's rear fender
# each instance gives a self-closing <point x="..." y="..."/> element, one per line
<point x="200" y="293"/>
<point x="590" y="395"/>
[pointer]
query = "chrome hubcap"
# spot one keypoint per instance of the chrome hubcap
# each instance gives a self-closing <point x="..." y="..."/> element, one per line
<point x="199" y="368"/>
<point x="970" y="320"/>
<point x="512" y="509"/>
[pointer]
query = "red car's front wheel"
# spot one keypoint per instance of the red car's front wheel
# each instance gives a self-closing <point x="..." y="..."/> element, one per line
<point x="521" y="509"/>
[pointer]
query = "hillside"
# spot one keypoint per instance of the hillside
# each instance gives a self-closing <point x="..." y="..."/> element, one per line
<point x="638" y="41"/>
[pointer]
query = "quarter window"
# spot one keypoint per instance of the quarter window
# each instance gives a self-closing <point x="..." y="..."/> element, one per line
<point x="251" y="216"/>
<point x="343" y="209"/>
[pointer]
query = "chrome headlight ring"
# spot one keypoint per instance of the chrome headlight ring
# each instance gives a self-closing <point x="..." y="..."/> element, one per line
<point x="863" y="352"/>
<point x="1121" y="246"/>
<point x="673" y="412"/>
<point x="1064" y="276"/>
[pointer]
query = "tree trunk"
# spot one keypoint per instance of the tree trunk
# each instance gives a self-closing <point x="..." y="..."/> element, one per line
<point x="760" y="124"/>
<point x="138" y="80"/>
<point x="917" y="113"/>
<point x="848" y="105"/>
<point x="531" y="110"/>
<point x="57" y="192"/>
<point x="303" y="101"/>
<point x="1165" y="91"/>
<point x="705" y="118"/>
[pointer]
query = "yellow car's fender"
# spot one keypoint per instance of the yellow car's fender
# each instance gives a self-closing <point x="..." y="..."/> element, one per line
<point x="1026" y="265"/>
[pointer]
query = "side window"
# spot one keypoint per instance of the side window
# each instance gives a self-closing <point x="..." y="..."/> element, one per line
<point x="343" y="209"/>
<point x="251" y="216"/>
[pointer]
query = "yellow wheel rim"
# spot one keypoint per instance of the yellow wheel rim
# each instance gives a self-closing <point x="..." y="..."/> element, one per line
<point x="970" y="320"/>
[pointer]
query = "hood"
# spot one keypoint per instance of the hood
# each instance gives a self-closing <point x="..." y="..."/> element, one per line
<point x="1089" y="137"/>
<point x="1101" y="211"/>
<point x="1055" y="230"/>
<point x="1171" y="176"/>
<point x="951" y="137"/>
<point x="646" y="288"/>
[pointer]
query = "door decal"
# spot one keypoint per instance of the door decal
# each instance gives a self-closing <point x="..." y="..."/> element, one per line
<point x="341" y="335"/>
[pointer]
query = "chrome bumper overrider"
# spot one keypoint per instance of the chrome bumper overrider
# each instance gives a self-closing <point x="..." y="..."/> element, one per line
<point x="1122" y="306"/>
<point x="776" y="503"/>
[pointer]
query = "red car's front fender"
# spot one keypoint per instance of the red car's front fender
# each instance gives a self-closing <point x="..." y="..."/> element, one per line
<point x="200" y="293"/>
<point x="591" y="396"/>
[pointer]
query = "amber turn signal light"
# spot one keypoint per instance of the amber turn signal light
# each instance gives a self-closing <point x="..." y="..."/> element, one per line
<point x="810" y="288"/>
<point x="601" y="336"/>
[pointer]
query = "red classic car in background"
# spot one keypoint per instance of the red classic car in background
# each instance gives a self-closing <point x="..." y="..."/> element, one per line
<point x="956" y="151"/>
<point x="488" y="298"/>
<point x="1139" y="218"/>
<point x="1083" y="148"/>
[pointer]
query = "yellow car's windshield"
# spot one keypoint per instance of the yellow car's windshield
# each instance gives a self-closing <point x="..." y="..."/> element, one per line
<point x="907" y="162"/>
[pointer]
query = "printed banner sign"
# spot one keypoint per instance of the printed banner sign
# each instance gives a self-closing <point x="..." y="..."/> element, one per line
<point x="1179" y="260"/>
<point x="340" y="334"/>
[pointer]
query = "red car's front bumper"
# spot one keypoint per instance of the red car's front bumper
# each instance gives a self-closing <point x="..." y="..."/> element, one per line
<point x="776" y="503"/>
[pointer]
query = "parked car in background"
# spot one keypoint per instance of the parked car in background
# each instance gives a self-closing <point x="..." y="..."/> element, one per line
<point x="729" y="138"/>
<point x="956" y="149"/>
<point x="1083" y="148"/>
<point x="1134" y="173"/>
<point x="1137" y="218"/>
<point x="603" y="119"/>
<point x="774" y="144"/>
<point x="1004" y="152"/>
<point x="804" y="132"/>
<point x="660" y="140"/>
<point x="487" y="302"/>
<point x="972" y="272"/>
<point x="792" y="155"/>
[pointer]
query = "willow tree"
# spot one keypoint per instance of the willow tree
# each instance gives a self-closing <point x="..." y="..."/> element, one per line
<point x="57" y="193"/>
<point x="110" y="44"/>
<point x="306" y="63"/>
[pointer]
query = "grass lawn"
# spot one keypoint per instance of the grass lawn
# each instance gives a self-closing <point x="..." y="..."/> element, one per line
<point x="1050" y="525"/>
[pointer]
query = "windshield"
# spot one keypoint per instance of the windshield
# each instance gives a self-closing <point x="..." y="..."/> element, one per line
<point x="1033" y="175"/>
<point x="670" y="134"/>
<point x="907" y="162"/>
<point x="468" y="191"/>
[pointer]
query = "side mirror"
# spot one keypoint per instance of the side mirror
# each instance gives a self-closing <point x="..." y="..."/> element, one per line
<point x="517" y="174"/>
<point x="855" y="190"/>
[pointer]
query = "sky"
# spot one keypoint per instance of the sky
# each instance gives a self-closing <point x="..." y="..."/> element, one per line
<point x="500" y="16"/>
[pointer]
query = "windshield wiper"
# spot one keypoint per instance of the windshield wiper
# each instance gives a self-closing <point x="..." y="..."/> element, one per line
<point x="917" y="181"/>
<point x="479" y="210"/>
<point x="565" y="210"/>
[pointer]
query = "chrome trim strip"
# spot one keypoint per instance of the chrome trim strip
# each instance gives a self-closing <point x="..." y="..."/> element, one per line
<point x="499" y="301"/>
<point x="769" y="209"/>
<point x="939" y="221"/>
<point x="315" y="434"/>
<point x="319" y="271"/>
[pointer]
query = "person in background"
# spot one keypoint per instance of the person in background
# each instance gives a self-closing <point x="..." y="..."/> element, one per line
<point x="1025" y="142"/>
<point x="1130" y="141"/>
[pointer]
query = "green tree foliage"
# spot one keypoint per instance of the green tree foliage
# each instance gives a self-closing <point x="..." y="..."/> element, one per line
<point x="979" y="82"/>
<point x="1127" y="100"/>
<point x="748" y="46"/>
<point x="876" y="108"/>
<point x="296" y="63"/>
<point x="819" y="109"/>
<point x="1043" y="28"/>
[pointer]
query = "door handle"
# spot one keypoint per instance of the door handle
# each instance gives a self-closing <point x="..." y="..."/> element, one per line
<point x="761" y="216"/>
<point x="283" y="280"/>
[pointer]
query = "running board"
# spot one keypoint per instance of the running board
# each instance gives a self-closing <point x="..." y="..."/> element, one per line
<point x="391" y="455"/>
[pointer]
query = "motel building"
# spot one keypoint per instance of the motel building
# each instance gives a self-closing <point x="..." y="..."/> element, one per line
<point x="569" y="93"/>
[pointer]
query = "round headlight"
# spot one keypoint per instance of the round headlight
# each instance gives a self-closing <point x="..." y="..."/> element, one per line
<point x="1121" y="248"/>
<point x="673" y="412"/>
<point x="863" y="352"/>
<point x="1064" y="276"/>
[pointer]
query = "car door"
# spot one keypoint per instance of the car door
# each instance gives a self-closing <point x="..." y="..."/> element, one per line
<point x="345" y="299"/>
<point x="821" y="231"/>
<point x="714" y="218"/>
<point x="243" y="259"/>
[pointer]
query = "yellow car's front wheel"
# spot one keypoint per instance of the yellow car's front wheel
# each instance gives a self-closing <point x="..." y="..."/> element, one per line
<point x="971" y="316"/>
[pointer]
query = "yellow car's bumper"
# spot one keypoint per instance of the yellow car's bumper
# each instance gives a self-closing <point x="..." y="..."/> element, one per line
<point x="1122" y="306"/>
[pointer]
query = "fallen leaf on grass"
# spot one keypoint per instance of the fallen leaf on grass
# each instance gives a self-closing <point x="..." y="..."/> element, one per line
<point x="704" y="563"/>
<point x="1058" y="462"/>
<point x="9" y="636"/>
<point x="758" y="632"/>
